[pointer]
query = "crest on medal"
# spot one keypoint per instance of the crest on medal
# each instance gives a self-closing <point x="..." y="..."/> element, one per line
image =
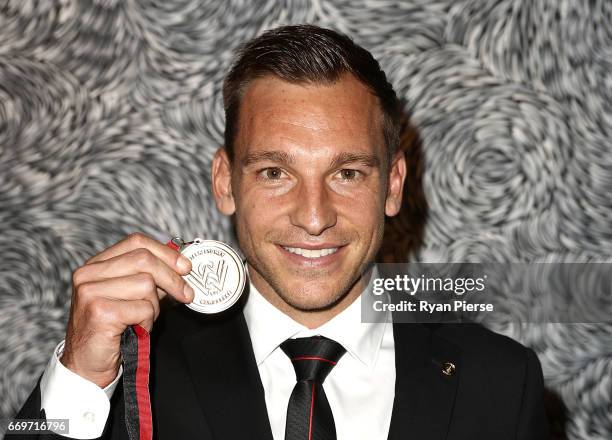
<point x="218" y="275"/>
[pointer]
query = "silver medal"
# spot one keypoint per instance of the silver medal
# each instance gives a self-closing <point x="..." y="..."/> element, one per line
<point x="217" y="275"/>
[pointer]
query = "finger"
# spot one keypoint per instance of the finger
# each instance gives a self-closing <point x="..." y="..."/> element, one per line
<point x="131" y="263"/>
<point x="134" y="241"/>
<point x="119" y="314"/>
<point x="129" y="288"/>
<point x="138" y="312"/>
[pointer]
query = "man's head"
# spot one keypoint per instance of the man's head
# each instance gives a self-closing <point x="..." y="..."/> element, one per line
<point x="310" y="165"/>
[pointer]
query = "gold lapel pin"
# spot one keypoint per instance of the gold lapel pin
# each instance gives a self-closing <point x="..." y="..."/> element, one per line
<point x="448" y="368"/>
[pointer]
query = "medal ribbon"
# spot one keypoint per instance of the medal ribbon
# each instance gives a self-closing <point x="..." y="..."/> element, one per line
<point x="136" y="351"/>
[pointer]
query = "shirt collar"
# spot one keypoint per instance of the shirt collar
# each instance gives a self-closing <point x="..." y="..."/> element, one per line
<point x="269" y="327"/>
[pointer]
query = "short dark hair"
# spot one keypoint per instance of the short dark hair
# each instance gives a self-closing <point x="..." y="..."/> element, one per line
<point x="308" y="53"/>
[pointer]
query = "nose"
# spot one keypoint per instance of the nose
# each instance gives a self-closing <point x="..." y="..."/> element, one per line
<point x="313" y="210"/>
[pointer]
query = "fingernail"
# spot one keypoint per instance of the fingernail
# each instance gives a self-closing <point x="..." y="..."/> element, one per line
<point x="183" y="263"/>
<point x="188" y="292"/>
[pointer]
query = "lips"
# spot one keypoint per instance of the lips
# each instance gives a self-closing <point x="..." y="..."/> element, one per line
<point x="311" y="253"/>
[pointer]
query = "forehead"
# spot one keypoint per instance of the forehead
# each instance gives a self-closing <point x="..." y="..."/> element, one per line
<point x="275" y="114"/>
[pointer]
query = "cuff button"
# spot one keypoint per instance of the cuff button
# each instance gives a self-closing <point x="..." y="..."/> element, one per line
<point x="89" y="416"/>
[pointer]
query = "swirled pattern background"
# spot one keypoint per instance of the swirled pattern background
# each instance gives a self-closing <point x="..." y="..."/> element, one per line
<point x="110" y="112"/>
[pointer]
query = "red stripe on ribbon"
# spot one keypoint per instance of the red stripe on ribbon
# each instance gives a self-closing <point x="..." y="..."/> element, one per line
<point x="143" y="399"/>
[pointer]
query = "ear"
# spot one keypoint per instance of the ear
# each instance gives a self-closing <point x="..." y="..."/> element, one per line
<point x="397" y="176"/>
<point x="222" y="182"/>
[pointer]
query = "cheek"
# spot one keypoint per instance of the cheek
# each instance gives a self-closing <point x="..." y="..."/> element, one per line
<point x="363" y="206"/>
<point x="366" y="219"/>
<point x="258" y="210"/>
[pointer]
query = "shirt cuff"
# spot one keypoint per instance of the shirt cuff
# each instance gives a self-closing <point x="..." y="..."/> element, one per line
<point x="66" y="395"/>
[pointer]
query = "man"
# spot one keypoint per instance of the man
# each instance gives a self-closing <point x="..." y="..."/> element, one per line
<point x="310" y="167"/>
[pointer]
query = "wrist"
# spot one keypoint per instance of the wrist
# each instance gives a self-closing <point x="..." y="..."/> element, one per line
<point x="101" y="378"/>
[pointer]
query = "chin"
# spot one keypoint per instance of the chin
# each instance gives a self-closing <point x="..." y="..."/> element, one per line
<point x="314" y="297"/>
<point x="310" y="304"/>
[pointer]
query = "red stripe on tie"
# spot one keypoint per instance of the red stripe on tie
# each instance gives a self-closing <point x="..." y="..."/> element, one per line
<point x="312" y="358"/>
<point x="142" y="384"/>
<point x="311" y="411"/>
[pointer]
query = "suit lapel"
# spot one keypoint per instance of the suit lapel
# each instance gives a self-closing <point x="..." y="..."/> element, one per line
<point x="223" y="369"/>
<point x="424" y="395"/>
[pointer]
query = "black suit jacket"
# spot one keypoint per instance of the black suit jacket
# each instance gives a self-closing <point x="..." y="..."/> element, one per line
<point x="205" y="384"/>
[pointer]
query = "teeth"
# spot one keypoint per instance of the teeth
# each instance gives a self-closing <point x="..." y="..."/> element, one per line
<point x="311" y="253"/>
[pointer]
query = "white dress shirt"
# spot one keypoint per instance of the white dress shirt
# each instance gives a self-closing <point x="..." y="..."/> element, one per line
<point x="360" y="388"/>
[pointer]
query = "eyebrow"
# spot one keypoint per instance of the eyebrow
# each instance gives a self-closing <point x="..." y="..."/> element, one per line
<point x="366" y="159"/>
<point x="272" y="156"/>
<point x="281" y="157"/>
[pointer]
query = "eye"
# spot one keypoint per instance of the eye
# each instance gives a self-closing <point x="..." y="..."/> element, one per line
<point x="271" y="173"/>
<point x="349" y="174"/>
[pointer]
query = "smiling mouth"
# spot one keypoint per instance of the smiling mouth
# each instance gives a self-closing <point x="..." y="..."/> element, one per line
<point x="311" y="253"/>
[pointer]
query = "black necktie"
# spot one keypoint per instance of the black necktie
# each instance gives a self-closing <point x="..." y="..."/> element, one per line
<point x="309" y="416"/>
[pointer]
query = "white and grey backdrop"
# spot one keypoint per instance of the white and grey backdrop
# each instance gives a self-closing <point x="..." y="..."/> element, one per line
<point x="110" y="112"/>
